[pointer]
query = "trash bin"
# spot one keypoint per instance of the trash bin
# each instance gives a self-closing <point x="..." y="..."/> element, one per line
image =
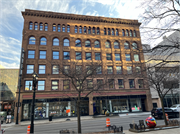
<point x="50" y="118"/>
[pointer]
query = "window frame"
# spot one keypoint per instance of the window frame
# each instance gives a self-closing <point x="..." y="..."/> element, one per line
<point x="55" y="41"/>
<point x="121" y="85"/>
<point x="68" y="28"/>
<point x="133" y="83"/>
<point x="64" y="55"/>
<point x="31" y="54"/>
<point x="66" y="41"/>
<point x="96" y="45"/>
<point x="41" y="69"/>
<point x="29" y="69"/>
<point x="75" y="29"/>
<point x="109" y="69"/>
<point x="128" y="71"/>
<point x="126" y="45"/>
<point x="32" y="39"/>
<point x="107" y="43"/>
<point x="46" y="27"/>
<point x="66" y="85"/>
<point x="42" y="39"/>
<point x="119" y="58"/>
<point x="77" y="43"/>
<point x="54" y="85"/>
<point x="117" y="44"/>
<point x="35" y="25"/>
<point x="42" y="54"/>
<point x="31" y="87"/>
<point x="76" y="55"/>
<point x="40" y="26"/>
<point x="98" y="55"/>
<point x="89" y="80"/>
<point x="30" y="25"/>
<point x="89" y="42"/>
<point x="117" y="69"/>
<point x="55" y="55"/>
<point x="54" y="69"/>
<point x="54" y="27"/>
<point x="129" y="55"/>
<point x="99" y="72"/>
<point x="113" y="83"/>
<point x="58" y="28"/>
<point x="141" y="83"/>
<point x="135" y="58"/>
<point x="87" y="57"/>
<point x="41" y="85"/>
<point x="63" y="28"/>
<point x="107" y="56"/>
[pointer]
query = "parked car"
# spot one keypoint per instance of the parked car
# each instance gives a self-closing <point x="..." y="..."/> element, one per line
<point x="175" y="107"/>
<point x="158" y="114"/>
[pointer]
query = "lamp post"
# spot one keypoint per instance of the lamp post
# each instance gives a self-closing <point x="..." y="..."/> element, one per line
<point x="35" y="77"/>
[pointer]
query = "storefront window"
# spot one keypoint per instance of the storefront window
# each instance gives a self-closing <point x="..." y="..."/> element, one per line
<point x="135" y="105"/>
<point x="26" y="111"/>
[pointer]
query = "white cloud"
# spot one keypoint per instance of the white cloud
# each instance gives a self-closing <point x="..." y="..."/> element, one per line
<point x="9" y="65"/>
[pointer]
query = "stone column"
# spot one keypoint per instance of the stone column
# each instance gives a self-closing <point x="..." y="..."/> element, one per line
<point x="91" y="105"/>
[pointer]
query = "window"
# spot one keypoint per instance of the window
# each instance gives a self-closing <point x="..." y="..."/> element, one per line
<point x="59" y="28"/>
<point x="120" y="83"/>
<point x="93" y="30"/>
<point x="31" y="54"/>
<point x="89" y="69"/>
<point x="66" y="43"/>
<point x="42" y="69"/>
<point x="55" y="55"/>
<point x="96" y="44"/>
<point x="134" y="33"/>
<point x="99" y="70"/>
<point x="111" y="83"/>
<point x="75" y="29"/>
<point x="134" y="45"/>
<point x="35" y="26"/>
<point x="117" y="57"/>
<point x="78" y="56"/>
<point x="107" y="44"/>
<point x="46" y="27"/>
<point x="32" y="40"/>
<point x="129" y="70"/>
<point x="100" y="83"/>
<point x="66" y="69"/>
<point x="128" y="57"/>
<point x="97" y="56"/>
<point x="43" y="41"/>
<point x="117" y="32"/>
<point x="78" y="43"/>
<point x="54" y="27"/>
<point x="42" y="54"/>
<point x="30" y="69"/>
<point x="140" y="83"/>
<point x="41" y="85"/>
<point x="63" y="28"/>
<point x="66" y="55"/>
<point x="41" y="26"/>
<point x="89" y="30"/>
<point x="126" y="45"/>
<point x="110" y="69"/>
<point x="136" y="57"/>
<point x="109" y="31"/>
<point x="80" y="29"/>
<point x="138" y="70"/>
<point x="90" y="83"/>
<point x="127" y="32"/>
<point x="68" y="28"/>
<point x="55" y="69"/>
<point x="104" y="31"/>
<point x="88" y="56"/>
<point x="131" y="83"/>
<point x="66" y="84"/>
<point x="30" y="25"/>
<point x="78" y="69"/>
<point x="108" y="57"/>
<point x="54" y="84"/>
<point x="112" y="31"/>
<point x="130" y="33"/>
<point x="85" y="30"/>
<point x="116" y="45"/>
<point x="123" y="32"/>
<point x="28" y="85"/>
<point x="98" y="31"/>
<point x="87" y="43"/>
<point x="118" y="70"/>
<point x="55" y="42"/>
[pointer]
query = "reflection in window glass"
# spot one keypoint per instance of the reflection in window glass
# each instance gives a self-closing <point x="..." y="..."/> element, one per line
<point x="118" y="70"/>
<point x="28" y="85"/>
<point x="42" y="69"/>
<point x="54" y="84"/>
<point x="97" y="56"/>
<point x="85" y="30"/>
<point x="54" y="27"/>
<point x="75" y="29"/>
<point x="30" y="25"/>
<point x="117" y="57"/>
<point x="42" y="54"/>
<point x="66" y="55"/>
<point x="66" y="84"/>
<point x="99" y="70"/>
<point x="59" y="28"/>
<point x="41" y="26"/>
<point x="134" y="45"/>
<point x="107" y="44"/>
<point x="46" y="27"/>
<point x="31" y="54"/>
<point x="88" y="56"/>
<point x="30" y="69"/>
<point x="80" y="29"/>
<point x="68" y="28"/>
<point x="78" y="56"/>
<point x="138" y="70"/>
<point x="110" y="69"/>
<point x="66" y="43"/>
<point x="98" y="31"/>
<point x="43" y="41"/>
<point x="128" y="57"/>
<point x="55" y="69"/>
<point x="96" y="44"/>
<point x="126" y="45"/>
<point x="108" y="57"/>
<point x="90" y="83"/>
<point x="116" y="45"/>
<point x="129" y="70"/>
<point x="32" y="40"/>
<point x="78" y="43"/>
<point x="87" y="43"/>
<point x="136" y="57"/>
<point x="41" y="85"/>
<point x="35" y="26"/>
<point x="55" y="55"/>
<point x="63" y="28"/>
<point x="55" y="42"/>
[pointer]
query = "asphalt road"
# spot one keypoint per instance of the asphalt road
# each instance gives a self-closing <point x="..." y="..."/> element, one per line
<point x="93" y="125"/>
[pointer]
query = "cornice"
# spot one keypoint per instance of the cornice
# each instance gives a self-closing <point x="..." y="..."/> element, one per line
<point x="47" y="14"/>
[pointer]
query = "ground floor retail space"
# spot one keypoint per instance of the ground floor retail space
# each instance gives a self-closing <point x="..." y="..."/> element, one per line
<point x="66" y="107"/>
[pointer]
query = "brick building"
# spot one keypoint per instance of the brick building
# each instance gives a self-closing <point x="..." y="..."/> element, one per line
<point x="50" y="36"/>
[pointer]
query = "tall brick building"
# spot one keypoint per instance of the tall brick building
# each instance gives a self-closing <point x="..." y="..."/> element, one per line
<point x="50" y="36"/>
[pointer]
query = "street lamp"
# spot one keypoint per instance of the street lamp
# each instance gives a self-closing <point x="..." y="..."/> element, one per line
<point x="35" y="77"/>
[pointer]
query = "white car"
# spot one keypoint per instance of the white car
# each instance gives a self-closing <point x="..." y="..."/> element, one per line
<point x="175" y="107"/>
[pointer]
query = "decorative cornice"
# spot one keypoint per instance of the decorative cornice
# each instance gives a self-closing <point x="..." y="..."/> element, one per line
<point x="55" y="15"/>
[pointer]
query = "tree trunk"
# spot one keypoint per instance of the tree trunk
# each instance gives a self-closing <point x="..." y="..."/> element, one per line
<point x="163" y="111"/>
<point x="78" y="114"/>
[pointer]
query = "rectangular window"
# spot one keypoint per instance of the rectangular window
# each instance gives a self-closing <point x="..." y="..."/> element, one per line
<point x="41" y="85"/>
<point x="66" y="55"/>
<point x="68" y="29"/>
<point x="66" y="84"/>
<point x="136" y="57"/>
<point x="100" y="83"/>
<point x="31" y="54"/>
<point x="138" y="70"/>
<point x="118" y="70"/>
<point x="28" y="85"/>
<point x="89" y="69"/>
<point x="131" y="83"/>
<point x="55" y="55"/>
<point x="66" y="69"/>
<point x="99" y="70"/>
<point x="98" y="32"/>
<point x="108" y="57"/>
<point x="30" y="69"/>
<point x="90" y="83"/>
<point x="88" y="56"/>
<point x="80" y="29"/>
<point x="97" y="56"/>
<point x="78" y="69"/>
<point x="42" y="54"/>
<point x="128" y="57"/>
<point x="42" y="69"/>
<point x="129" y="70"/>
<point x="54" y="84"/>
<point x="120" y="83"/>
<point x="140" y="83"/>
<point x="111" y="83"/>
<point x="117" y="57"/>
<point x="55" y="69"/>
<point x="110" y="69"/>
<point x="78" y="56"/>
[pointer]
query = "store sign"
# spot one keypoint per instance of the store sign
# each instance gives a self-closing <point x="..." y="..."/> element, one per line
<point x="7" y="106"/>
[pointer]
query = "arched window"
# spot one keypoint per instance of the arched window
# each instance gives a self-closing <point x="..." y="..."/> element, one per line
<point x="107" y="44"/>
<point x="134" y="33"/>
<point x="93" y="30"/>
<point x="117" y="32"/>
<point x="104" y="31"/>
<point x="45" y="27"/>
<point x="68" y="28"/>
<point x="98" y="31"/>
<point x="87" y="43"/>
<point x="30" y="25"/>
<point x="134" y="45"/>
<point x="41" y="26"/>
<point x="96" y="44"/>
<point x="127" y="32"/>
<point x="130" y="33"/>
<point x="116" y="45"/>
<point x="66" y="43"/>
<point x="126" y="45"/>
<point x="35" y="26"/>
<point x="63" y="28"/>
<point x="55" y="42"/>
<point x="85" y="30"/>
<point x="89" y="30"/>
<point x="54" y="27"/>
<point x="43" y="41"/>
<point x="78" y="43"/>
<point x="59" y="28"/>
<point x="109" y="31"/>
<point x="112" y="31"/>
<point x="80" y="29"/>
<point x="123" y="32"/>
<point x="75" y="29"/>
<point x="32" y="40"/>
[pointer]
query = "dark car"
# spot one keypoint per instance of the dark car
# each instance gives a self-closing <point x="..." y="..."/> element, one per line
<point x="158" y="114"/>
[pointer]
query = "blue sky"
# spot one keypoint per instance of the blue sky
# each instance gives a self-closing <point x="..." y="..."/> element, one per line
<point x="11" y="20"/>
